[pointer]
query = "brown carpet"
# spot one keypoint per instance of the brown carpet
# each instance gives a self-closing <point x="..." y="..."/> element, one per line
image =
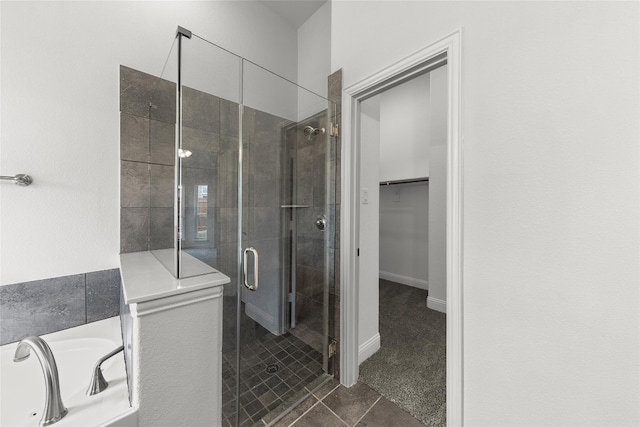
<point x="410" y="367"/>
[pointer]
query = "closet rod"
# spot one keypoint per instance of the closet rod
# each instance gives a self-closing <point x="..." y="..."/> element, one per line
<point x="405" y="181"/>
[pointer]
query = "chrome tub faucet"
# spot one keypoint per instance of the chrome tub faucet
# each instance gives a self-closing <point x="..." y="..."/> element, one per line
<point x="54" y="409"/>
<point x="98" y="383"/>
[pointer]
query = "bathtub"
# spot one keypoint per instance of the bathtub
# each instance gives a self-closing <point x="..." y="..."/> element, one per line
<point x="76" y="351"/>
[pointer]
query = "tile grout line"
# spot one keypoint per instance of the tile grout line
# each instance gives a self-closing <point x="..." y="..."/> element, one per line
<point x="338" y="416"/>
<point x="274" y="349"/>
<point x="305" y="412"/>
<point x="316" y="404"/>
<point x="331" y="391"/>
<point x="368" y="410"/>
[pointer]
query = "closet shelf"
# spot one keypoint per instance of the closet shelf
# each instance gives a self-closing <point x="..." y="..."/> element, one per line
<point x="405" y="181"/>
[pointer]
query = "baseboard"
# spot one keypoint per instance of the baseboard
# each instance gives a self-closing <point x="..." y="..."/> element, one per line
<point x="368" y="348"/>
<point x="264" y="319"/>
<point x="404" y="280"/>
<point x="437" y="304"/>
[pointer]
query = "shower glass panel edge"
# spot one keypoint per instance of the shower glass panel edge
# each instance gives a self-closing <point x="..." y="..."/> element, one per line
<point x="248" y="173"/>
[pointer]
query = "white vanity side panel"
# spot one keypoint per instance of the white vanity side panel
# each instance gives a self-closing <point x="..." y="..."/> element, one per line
<point x="178" y="366"/>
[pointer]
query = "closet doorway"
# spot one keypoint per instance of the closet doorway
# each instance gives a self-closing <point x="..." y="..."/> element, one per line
<point x="425" y="197"/>
<point x="402" y="355"/>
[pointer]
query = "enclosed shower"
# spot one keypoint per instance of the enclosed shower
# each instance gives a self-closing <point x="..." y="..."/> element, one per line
<point x="249" y="191"/>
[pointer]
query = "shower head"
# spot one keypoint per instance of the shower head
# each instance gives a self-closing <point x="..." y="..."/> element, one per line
<point x="310" y="132"/>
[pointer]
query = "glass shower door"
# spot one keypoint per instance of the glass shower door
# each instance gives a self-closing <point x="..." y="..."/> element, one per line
<point x="287" y="219"/>
<point x="256" y="175"/>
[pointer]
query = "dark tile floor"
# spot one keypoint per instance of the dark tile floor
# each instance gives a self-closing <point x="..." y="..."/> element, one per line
<point x="275" y="372"/>
<point x="336" y="405"/>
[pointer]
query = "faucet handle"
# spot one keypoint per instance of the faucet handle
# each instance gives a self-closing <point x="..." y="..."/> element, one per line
<point x="23" y="351"/>
<point x="98" y="383"/>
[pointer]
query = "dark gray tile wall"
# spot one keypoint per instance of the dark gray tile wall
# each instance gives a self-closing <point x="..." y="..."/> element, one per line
<point x="263" y="143"/>
<point x="134" y="229"/>
<point x="211" y="132"/>
<point x="102" y="294"/>
<point x="147" y="155"/>
<point x="312" y="159"/>
<point x="43" y="306"/>
<point x="144" y="95"/>
<point x="202" y="136"/>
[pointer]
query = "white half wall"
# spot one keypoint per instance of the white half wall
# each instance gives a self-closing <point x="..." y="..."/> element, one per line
<point x="551" y="166"/>
<point x="60" y="114"/>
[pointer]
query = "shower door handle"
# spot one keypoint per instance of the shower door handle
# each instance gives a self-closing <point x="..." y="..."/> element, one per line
<point x="245" y="266"/>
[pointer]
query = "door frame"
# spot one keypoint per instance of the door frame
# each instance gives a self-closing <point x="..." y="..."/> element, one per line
<point x="352" y="96"/>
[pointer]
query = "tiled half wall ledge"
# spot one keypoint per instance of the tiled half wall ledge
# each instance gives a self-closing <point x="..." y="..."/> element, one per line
<point x="49" y="305"/>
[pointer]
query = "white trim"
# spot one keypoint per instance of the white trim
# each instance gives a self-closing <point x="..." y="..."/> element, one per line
<point x="404" y="280"/>
<point x="437" y="304"/>
<point x="349" y="212"/>
<point x="368" y="348"/>
<point x="141" y="309"/>
<point x="455" y="246"/>
<point x="450" y="45"/>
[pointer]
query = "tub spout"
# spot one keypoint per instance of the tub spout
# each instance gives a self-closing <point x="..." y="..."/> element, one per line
<point x="54" y="409"/>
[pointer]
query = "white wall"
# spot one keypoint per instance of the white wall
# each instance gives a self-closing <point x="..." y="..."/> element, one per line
<point x="404" y="237"/>
<point x="368" y="337"/>
<point x="1" y="170"/>
<point x="60" y="114"/>
<point x="314" y="61"/>
<point x="551" y="199"/>
<point x="404" y="130"/>
<point x="314" y="50"/>
<point x="437" y="298"/>
<point x="413" y="122"/>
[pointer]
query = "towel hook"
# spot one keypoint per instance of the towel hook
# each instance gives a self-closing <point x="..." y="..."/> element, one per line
<point x="20" y="179"/>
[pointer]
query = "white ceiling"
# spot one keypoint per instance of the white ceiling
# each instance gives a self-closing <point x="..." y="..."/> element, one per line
<point x="295" y="12"/>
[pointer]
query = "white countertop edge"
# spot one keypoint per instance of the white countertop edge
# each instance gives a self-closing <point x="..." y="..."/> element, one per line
<point x="144" y="278"/>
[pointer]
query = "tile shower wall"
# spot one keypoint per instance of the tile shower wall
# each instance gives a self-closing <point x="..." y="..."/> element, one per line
<point x="201" y="134"/>
<point x="263" y="137"/>
<point x="147" y="153"/>
<point x="49" y="305"/>
<point x="211" y="132"/>
<point x="312" y="158"/>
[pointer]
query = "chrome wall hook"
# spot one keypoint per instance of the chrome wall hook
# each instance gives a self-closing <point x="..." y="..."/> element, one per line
<point x="19" y="179"/>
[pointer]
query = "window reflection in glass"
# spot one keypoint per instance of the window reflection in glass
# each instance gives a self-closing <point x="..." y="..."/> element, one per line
<point x="201" y="212"/>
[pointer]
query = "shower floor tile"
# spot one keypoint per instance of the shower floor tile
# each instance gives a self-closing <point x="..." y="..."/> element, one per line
<point x="275" y="372"/>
